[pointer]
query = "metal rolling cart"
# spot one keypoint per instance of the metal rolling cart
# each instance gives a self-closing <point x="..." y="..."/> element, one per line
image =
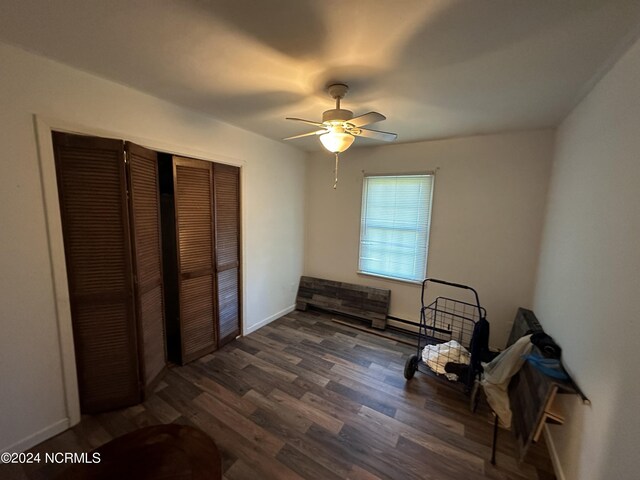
<point x="446" y="320"/>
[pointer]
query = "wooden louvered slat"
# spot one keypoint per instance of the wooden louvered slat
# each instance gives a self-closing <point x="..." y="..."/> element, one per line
<point x="227" y="215"/>
<point x="193" y="190"/>
<point x="228" y="305"/>
<point x="227" y="222"/>
<point x="194" y="214"/>
<point x="89" y="231"/>
<point x="151" y="307"/>
<point x="106" y="357"/>
<point x="92" y="190"/>
<point x="197" y="311"/>
<point x="147" y="254"/>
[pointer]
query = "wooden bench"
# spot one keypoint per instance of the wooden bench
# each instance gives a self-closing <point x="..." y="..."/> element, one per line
<point x="359" y="301"/>
<point x="532" y="394"/>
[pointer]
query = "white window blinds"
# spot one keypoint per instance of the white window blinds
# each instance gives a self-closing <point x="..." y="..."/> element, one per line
<point x="394" y="233"/>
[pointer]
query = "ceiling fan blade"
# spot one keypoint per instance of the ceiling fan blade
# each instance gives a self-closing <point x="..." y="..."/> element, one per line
<point x="317" y="132"/>
<point x="306" y="121"/>
<point x="376" y="135"/>
<point x="367" y="118"/>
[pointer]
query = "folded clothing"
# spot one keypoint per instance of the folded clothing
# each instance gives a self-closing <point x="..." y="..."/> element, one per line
<point x="437" y="356"/>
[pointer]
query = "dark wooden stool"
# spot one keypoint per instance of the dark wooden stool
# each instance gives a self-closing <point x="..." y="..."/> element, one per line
<point x="159" y="452"/>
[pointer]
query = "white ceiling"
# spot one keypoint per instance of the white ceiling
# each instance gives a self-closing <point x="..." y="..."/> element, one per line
<point x="434" y="68"/>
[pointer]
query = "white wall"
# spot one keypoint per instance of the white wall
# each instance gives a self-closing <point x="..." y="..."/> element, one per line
<point x="589" y="274"/>
<point x="486" y="222"/>
<point x="32" y="401"/>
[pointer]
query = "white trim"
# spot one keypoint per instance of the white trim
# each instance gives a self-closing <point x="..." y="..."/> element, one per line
<point x="38" y="437"/>
<point x="553" y="453"/>
<point x="269" y="319"/>
<point x="43" y="128"/>
<point x="243" y="248"/>
<point x="61" y="125"/>
<point x="386" y="277"/>
<point x="58" y="269"/>
<point x="428" y="173"/>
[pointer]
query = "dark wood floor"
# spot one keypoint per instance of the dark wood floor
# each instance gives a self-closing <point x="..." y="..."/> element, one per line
<point x="308" y="398"/>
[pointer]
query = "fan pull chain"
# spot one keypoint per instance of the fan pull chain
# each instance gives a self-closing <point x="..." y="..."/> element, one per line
<point x="335" y="184"/>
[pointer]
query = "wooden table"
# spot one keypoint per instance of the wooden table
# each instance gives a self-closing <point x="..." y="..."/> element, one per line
<point x="532" y="394"/>
<point x="532" y="397"/>
<point x="159" y="452"/>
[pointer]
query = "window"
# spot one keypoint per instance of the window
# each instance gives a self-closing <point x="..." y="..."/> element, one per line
<point x="394" y="233"/>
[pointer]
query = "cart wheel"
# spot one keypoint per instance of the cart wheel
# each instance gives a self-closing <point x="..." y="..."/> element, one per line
<point x="410" y="367"/>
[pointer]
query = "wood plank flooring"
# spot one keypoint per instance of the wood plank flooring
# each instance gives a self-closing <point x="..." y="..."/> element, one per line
<point x="307" y="398"/>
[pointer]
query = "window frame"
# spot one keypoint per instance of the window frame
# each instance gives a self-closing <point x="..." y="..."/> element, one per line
<point x="431" y="174"/>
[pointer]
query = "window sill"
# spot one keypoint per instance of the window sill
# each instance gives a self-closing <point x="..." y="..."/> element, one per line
<point x="392" y="279"/>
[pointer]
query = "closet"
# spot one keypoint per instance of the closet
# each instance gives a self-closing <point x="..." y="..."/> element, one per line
<point x="131" y="308"/>
<point x="111" y="227"/>
<point x="201" y="231"/>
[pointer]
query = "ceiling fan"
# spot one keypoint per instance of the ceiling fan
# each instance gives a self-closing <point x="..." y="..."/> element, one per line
<point x="339" y="127"/>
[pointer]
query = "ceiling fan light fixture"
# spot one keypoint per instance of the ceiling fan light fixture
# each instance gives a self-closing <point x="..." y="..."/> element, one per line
<point x="339" y="128"/>
<point x="336" y="142"/>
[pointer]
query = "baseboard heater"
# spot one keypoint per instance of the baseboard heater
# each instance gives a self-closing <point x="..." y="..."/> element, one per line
<point x="359" y="301"/>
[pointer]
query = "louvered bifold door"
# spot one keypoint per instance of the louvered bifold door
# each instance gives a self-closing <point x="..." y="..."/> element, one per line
<point x="226" y="181"/>
<point x="193" y="190"/>
<point x="144" y="208"/>
<point x="93" y="205"/>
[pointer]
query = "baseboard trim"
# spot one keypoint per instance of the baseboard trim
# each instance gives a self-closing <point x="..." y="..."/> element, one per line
<point x="269" y="319"/>
<point x="553" y="453"/>
<point x="38" y="437"/>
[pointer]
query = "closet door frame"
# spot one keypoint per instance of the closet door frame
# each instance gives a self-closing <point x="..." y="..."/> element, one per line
<point x="240" y="256"/>
<point x="44" y="126"/>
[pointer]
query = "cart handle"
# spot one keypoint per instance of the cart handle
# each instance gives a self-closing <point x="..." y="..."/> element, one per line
<point x="444" y="282"/>
<point x="452" y="284"/>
